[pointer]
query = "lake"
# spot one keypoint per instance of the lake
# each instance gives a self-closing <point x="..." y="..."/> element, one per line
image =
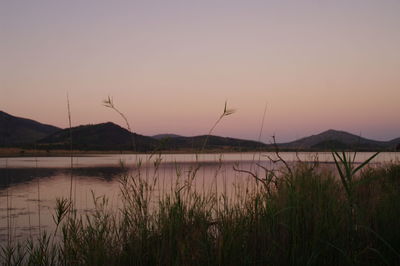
<point x="29" y="186"/>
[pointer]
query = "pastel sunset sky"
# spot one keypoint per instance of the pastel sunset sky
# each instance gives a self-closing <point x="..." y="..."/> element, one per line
<point x="170" y="65"/>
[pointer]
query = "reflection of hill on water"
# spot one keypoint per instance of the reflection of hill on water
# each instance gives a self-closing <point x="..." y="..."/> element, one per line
<point x="14" y="176"/>
<point x="106" y="172"/>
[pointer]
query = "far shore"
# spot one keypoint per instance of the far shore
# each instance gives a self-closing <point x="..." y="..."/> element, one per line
<point x="20" y="152"/>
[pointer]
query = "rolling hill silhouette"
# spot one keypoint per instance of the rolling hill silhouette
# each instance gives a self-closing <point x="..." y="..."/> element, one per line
<point x="22" y="132"/>
<point x="340" y="140"/>
<point x="104" y="136"/>
<point x="17" y="131"/>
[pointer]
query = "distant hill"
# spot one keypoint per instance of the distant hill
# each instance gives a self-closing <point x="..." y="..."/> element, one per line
<point x="213" y="143"/>
<point x="335" y="139"/>
<point x="395" y="144"/>
<point x="104" y="136"/>
<point x="17" y="131"/>
<point x="165" y="136"/>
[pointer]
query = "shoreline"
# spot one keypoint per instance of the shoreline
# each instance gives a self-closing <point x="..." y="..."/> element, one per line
<point x="20" y="152"/>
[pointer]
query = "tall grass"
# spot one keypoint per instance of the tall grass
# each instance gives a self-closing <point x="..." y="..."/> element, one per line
<point x="226" y="112"/>
<point x="301" y="218"/>
<point x="70" y="143"/>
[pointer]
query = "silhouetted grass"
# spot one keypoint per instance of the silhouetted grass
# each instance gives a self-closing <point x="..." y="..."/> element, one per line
<point x="303" y="217"/>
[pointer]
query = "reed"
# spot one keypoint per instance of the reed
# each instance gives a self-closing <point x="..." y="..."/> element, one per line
<point x="302" y="219"/>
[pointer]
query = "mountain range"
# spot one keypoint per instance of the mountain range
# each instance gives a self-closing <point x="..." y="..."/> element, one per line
<point x="27" y="133"/>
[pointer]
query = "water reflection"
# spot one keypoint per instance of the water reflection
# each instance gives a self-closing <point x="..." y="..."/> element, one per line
<point x="14" y="176"/>
<point x="106" y="173"/>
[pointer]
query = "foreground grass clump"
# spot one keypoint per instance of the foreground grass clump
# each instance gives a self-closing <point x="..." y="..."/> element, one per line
<point x="300" y="217"/>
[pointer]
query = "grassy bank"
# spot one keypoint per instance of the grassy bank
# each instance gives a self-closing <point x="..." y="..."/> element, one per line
<point x="302" y="214"/>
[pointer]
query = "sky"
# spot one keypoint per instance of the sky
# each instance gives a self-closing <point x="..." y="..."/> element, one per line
<point x="171" y="65"/>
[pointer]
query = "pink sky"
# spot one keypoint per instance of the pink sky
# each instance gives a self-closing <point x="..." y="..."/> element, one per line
<point x="170" y="65"/>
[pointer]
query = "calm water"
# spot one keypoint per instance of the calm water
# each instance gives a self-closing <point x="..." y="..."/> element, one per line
<point x="29" y="186"/>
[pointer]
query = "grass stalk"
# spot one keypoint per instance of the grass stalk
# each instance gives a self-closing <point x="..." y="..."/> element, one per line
<point x="71" y="150"/>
